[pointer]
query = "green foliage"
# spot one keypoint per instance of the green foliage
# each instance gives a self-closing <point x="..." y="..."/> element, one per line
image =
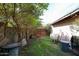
<point x="24" y="16"/>
<point x="48" y="28"/>
<point x="23" y="13"/>
<point x="43" y="47"/>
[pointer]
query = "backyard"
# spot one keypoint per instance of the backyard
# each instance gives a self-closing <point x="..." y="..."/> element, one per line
<point x="44" y="47"/>
<point x="22" y="28"/>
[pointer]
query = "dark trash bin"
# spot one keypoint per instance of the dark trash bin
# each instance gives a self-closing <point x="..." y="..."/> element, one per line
<point x="4" y="52"/>
<point x="75" y="45"/>
<point x="64" y="47"/>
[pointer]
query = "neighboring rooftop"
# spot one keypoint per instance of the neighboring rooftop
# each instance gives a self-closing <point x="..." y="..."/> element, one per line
<point x="67" y="15"/>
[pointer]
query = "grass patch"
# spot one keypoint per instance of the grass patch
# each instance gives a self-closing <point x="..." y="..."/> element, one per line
<point x="44" y="47"/>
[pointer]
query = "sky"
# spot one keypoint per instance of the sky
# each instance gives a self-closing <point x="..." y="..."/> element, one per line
<point x="56" y="11"/>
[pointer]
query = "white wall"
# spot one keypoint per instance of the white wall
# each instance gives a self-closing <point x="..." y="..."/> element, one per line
<point x="57" y="31"/>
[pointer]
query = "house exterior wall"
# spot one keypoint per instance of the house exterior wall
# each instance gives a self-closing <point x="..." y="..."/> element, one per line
<point x="67" y="21"/>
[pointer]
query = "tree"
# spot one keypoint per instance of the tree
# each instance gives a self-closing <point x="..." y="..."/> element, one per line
<point x="48" y="29"/>
<point x="23" y="17"/>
